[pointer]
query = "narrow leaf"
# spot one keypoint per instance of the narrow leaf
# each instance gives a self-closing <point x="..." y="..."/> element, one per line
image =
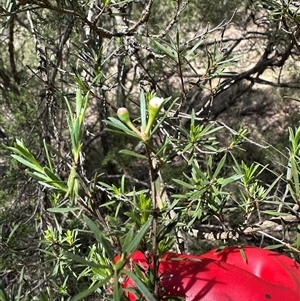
<point x="99" y="236"/>
<point x="91" y="290"/>
<point x="140" y="285"/>
<point x="63" y="210"/>
<point x="143" y="109"/>
<point x="166" y="51"/>
<point x="184" y="184"/>
<point x="219" y="167"/>
<point x="133" y="154"/>
<point x="27" y="163"/>
<point x="84" y="261"/>
<point x="134" y="244"/>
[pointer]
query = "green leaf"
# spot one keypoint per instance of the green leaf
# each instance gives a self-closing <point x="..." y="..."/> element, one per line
<point x="138" y="272"/>
<point x="21" y="149"/>
<point x="219" y="167"/>
<point x="128" y="239"/>
<point x="85" y="262"/>
<point x="101" y="239"/>
<point x="143" y="109"/>
<point x="210" y="129"/>
<point x="20" y="282"/>
<point x="47" y="155"/>
<point x="63" y="210"/>
<point x="27" y="163"/>
<point x="117" y="295"/>
<point x="48" y="185"/>
<point x="116" y="123"/>
<point x="131" y="135"/>
<point x="170" y="53"/>
<point x="52" y="175"/>
<point x="43" y="297"/>
<point x="298" y="238"/>
<point x="191" y="51"/>
<point x="134" y="216"/>
<point x="295" y="172"/>
<point x="70" y="111"/>
<point x="3" y="296"/>
<point x="133" y="154"/>
<point x="78" y="101"/>
<point x="12" y="232"/>
<point x="140" y="285"/>
<point x="47" y="182"/>
<point x="231" y="179"/>
<point x="38" y="176"/>
<point x="186" y="185"/>
<point x="134" y="244"/>
<point x="274" y="247"/>
<point x="91" y="290"/>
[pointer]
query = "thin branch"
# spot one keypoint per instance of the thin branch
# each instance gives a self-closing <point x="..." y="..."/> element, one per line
<point x="172" y="22"/>
<point x="144" y="18"/>
<point x="11" y="50"/>
<point x="59" y="53"/>
<point x="273" y="223"/>
<point x="269" y="83"/>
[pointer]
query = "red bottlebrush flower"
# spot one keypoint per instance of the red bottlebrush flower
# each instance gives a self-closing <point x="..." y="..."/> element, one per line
<point x="226" y="275"/>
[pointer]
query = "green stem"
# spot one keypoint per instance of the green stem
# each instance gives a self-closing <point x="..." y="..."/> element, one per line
<point x="155" y="211"/>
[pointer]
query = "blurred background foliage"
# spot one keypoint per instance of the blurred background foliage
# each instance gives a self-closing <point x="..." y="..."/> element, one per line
<point x="230" y="68"/>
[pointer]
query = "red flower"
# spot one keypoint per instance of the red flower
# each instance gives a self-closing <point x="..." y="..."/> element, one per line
<point x="226" y="276"/>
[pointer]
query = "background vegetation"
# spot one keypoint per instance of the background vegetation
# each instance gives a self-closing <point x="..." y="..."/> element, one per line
<point x="219" y="164"/>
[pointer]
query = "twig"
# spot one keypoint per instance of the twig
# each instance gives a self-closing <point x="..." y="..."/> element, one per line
<point x="236" y="133"/>
<point x="173" y="21"/>
<point x="156" y="206"/>
<point x="257" y="228"/>
<point x="144" y="18"/>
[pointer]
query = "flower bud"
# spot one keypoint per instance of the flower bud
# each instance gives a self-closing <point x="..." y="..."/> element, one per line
<point x="123" y="115"/>
<point x="154" y="107"/>
<point x="155" y="103"/>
